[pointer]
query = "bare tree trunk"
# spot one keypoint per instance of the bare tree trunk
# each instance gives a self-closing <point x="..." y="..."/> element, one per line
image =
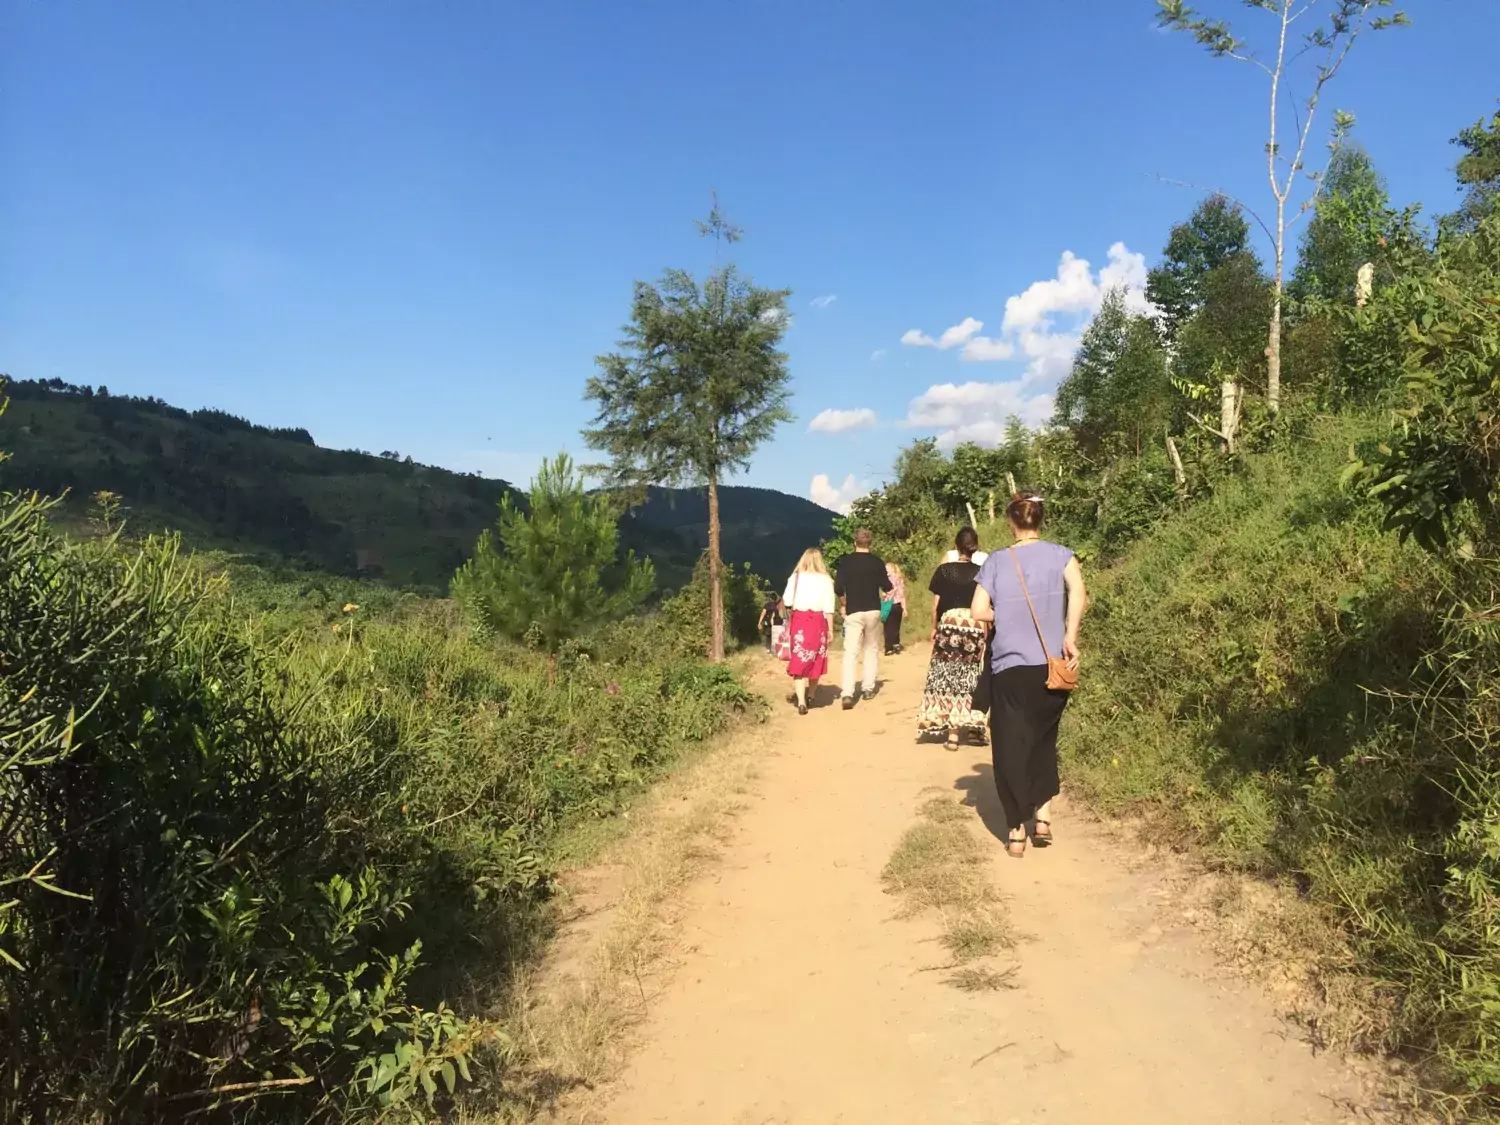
<point x="992" y="505"/>
<point x="1273" y="337"/>
<point x="715" y="568"/>
<point x="1229" y="413"/>
<point x="972" y="521"/>
<point x="1011" y="481"/>
<point x="1364" y="284"/>
<point x="1177" y="472"/>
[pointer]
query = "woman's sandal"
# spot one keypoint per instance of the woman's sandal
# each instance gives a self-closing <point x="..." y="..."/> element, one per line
<point x="952" y="742"/>
<point x="1038" y="837"/>
<point x="1010" y="847"/>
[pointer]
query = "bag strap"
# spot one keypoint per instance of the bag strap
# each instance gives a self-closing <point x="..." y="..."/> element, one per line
<point x="1039" y="634"/>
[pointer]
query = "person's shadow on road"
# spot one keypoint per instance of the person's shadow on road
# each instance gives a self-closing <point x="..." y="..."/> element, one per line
<point x="980" y="795"/>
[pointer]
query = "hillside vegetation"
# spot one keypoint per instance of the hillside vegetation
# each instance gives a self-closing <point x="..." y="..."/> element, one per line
<point x="1292" y="661"/>
<point x="276" y="496"/>
<point x="272" y="849"/>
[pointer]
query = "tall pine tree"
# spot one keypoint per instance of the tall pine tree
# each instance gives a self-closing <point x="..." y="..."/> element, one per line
<point x="699" y="383"/>
<point x="556" y="571"/>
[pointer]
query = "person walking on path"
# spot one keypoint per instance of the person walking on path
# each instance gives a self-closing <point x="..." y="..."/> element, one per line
<point x="893" y="609"/>
<point x="771" y="620"/>
<point x="809" y="601"/>
<point x="1035" y="596"/>
<point x="860" y="581"/>
<point x="956" y="695"/>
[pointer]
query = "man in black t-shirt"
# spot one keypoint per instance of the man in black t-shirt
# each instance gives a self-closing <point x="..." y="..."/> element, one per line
<point x="859" y="581"/>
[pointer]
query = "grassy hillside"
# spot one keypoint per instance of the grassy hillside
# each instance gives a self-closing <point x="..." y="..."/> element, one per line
<point x="273" y="494"/>
<point x="1271" y="675"/>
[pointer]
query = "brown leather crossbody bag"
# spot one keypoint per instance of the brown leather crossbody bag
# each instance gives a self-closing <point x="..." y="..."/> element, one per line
<point x="1060" y="677"/>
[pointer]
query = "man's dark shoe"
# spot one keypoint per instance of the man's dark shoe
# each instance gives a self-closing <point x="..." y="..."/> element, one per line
<point x="848" y="703"/>
<point x="872" y="693"/>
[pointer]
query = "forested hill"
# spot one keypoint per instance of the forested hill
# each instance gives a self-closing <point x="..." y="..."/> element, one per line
<point x="275" y="494"/>
<point x="764" y="528"/>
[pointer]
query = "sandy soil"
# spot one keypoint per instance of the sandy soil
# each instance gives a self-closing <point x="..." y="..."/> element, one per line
<point x="800" y="998"/>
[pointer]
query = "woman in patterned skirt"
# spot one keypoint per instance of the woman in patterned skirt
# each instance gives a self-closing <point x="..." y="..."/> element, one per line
<point x="956" y="697"/>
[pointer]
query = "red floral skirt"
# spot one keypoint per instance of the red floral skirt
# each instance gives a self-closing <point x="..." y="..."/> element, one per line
<point x="809" y="631"/>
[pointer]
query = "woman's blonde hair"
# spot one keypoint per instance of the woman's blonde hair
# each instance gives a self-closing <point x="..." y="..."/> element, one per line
<point x="894" y="568"/>
<point x="811" y="562"/>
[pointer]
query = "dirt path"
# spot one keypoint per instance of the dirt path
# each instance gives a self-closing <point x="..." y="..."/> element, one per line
<point x="800" y="999"/>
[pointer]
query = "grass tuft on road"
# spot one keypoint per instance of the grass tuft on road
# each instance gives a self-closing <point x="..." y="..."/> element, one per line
<point x="938" y="868"/>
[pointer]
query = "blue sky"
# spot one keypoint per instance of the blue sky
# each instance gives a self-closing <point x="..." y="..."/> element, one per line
<point x="412" y="226"/>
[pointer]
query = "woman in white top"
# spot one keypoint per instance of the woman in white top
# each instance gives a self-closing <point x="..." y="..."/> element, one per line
<point x="809" y="603"/>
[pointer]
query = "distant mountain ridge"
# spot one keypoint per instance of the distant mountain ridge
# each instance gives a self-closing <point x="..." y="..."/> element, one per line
<point x="272" y="492"/>
<point x="765" y="528"/>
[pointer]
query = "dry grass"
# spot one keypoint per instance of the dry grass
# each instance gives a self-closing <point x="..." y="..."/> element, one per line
<point x="570" y="1019"/>
<point x="938" y="867"/>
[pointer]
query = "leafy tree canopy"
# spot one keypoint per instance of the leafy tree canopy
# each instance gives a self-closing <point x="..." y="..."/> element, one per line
<point x="1479" y="171"/>
<point x="1215" y="232"/>
<point x="1349" y="226"/>
<point x="1228" y="331"/>
<point x="698" y="384"/>
<point x="1118" y="383"/>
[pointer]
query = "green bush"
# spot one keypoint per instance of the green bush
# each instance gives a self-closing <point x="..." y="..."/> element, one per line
<point x="1307" y="696"/>
<point x="685" y="619"/>
<point x="254" y="866"/>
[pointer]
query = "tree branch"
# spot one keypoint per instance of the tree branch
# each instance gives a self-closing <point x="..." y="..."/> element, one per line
<point x="1215" y="191"/>
<point x="238" y="1087"/>
<point x="1206" y="426"/>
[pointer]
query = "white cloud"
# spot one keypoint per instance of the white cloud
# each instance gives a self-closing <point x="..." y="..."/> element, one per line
<point x="824" y="301"/>
<point x="1030" y="328"/>
<point x="840" y="499"/>
<point x="877" y="355"/>
<point x="983" y="349"/>
<point x="837" y="421"/>
<point x="1073" y="290"/>
<point x="960" y="334"/>
<point x="976" y="411"/>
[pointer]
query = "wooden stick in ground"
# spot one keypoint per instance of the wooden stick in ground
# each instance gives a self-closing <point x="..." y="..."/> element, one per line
<point x="1177" y="472"/>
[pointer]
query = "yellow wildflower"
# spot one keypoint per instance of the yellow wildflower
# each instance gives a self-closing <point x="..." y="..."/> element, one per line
<point x="351" y="608"/>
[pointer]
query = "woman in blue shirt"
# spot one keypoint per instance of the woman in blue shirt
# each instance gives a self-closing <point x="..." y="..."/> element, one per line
<point x="1024" y="712"/>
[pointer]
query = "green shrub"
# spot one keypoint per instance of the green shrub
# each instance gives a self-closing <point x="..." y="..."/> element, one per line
<point x="554" y="569"/>
<point x="192" y="899"/>
<point x="253" y="866"/>
<point x="685" y="616"/>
